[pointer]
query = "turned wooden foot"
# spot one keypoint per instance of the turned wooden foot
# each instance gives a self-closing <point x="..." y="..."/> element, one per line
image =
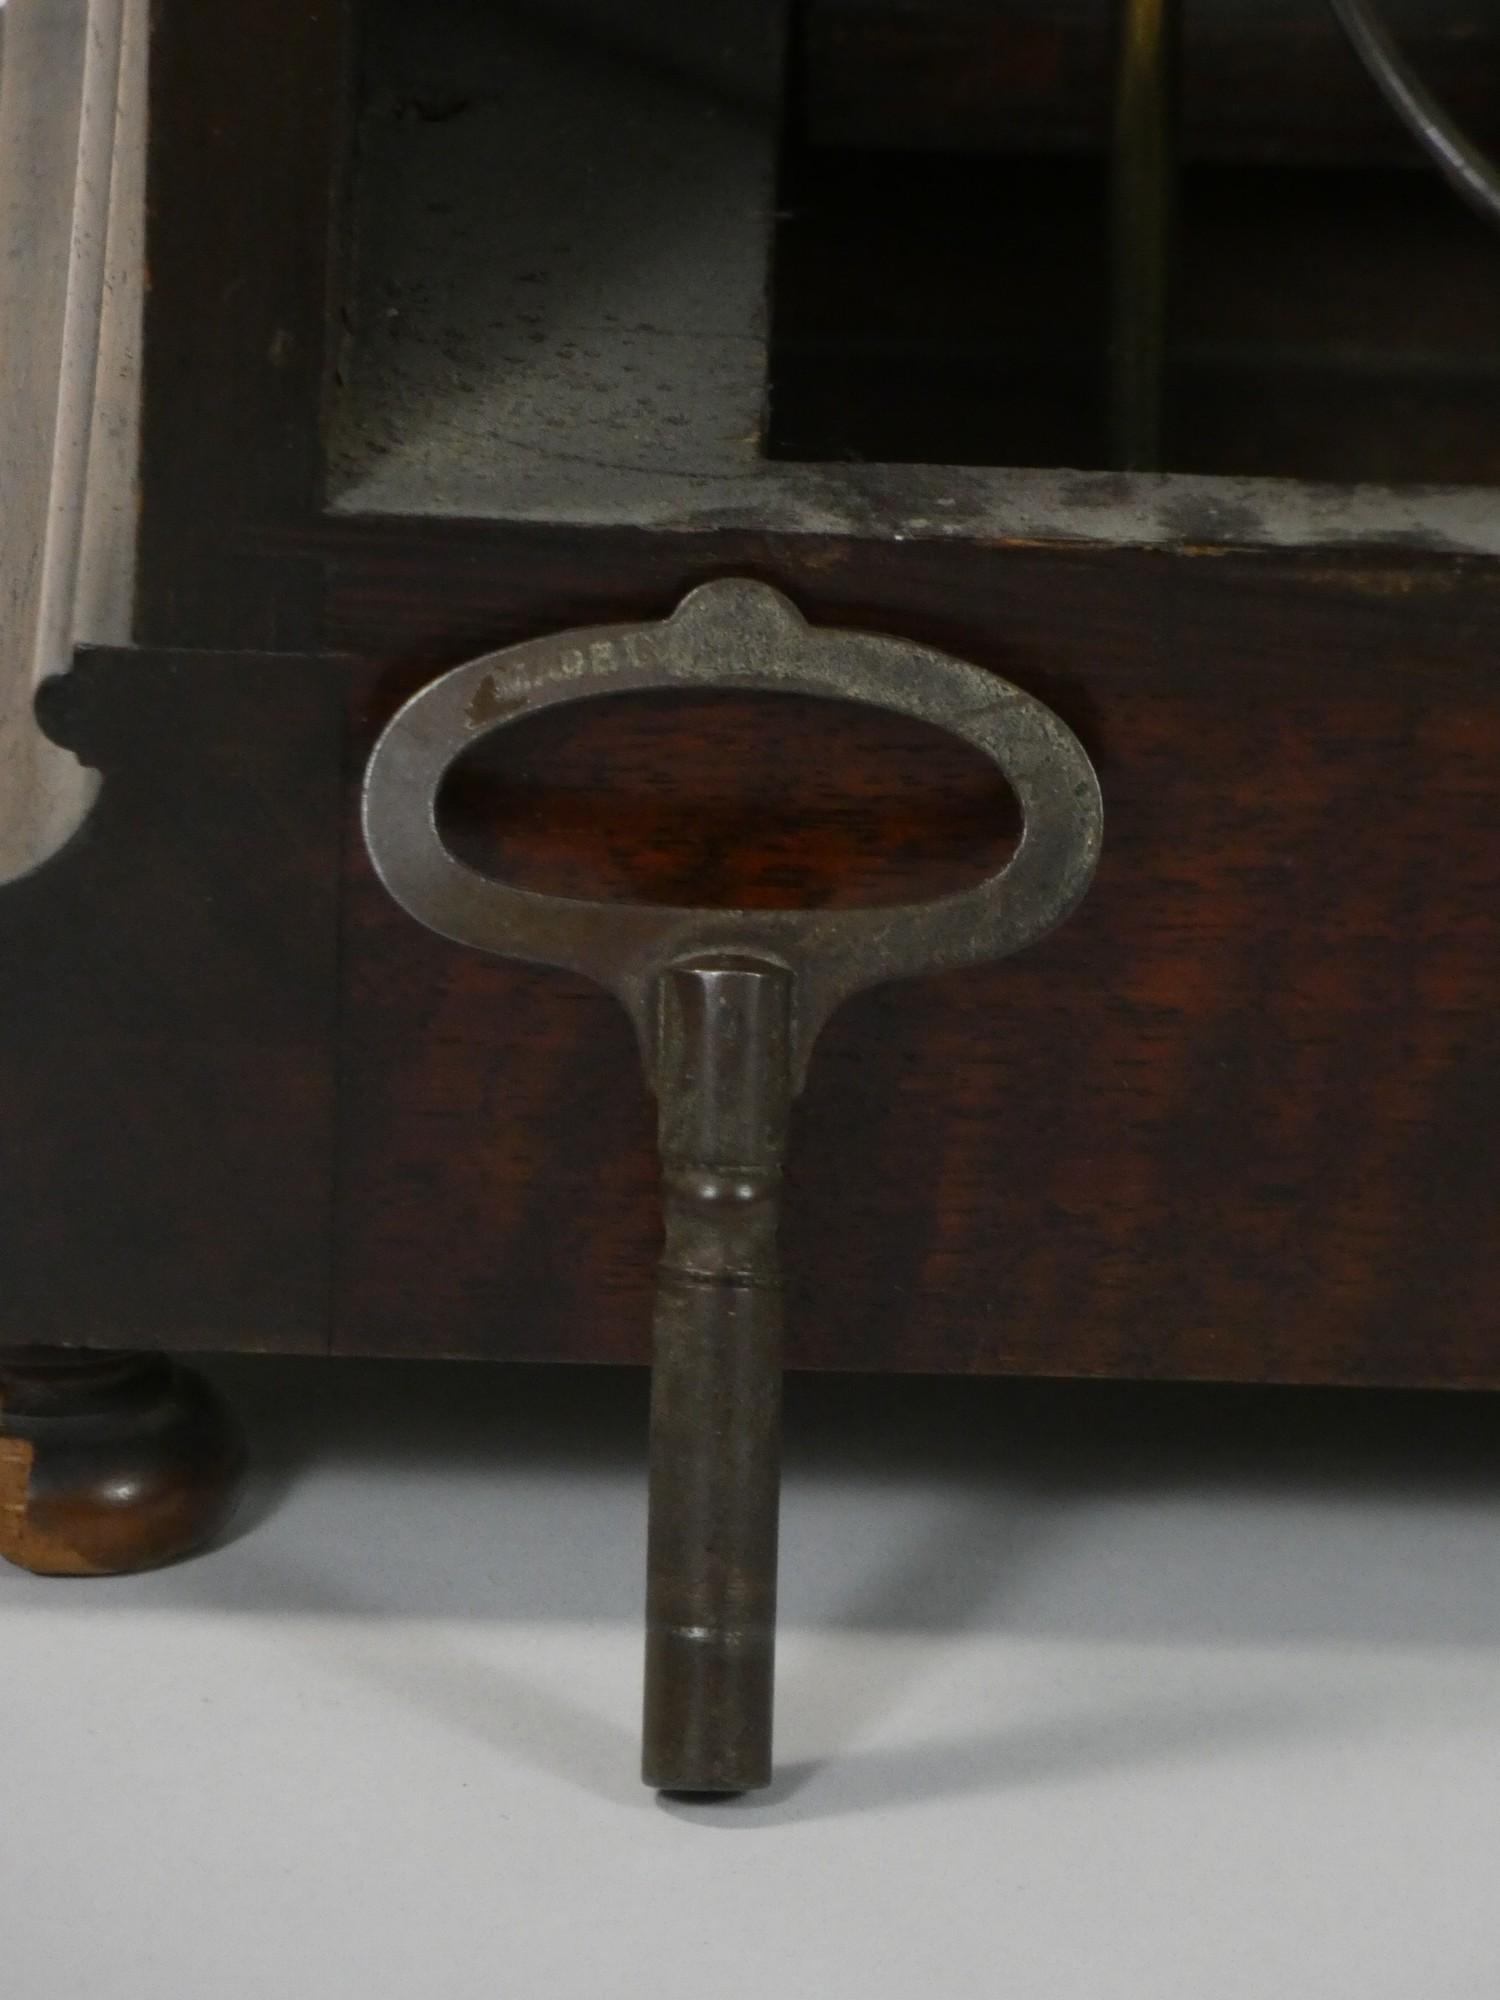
<point x="110" y="1462"/>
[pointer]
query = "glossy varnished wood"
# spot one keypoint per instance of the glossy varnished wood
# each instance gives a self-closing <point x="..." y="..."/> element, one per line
<point x="1231" y="1121"/>
<point x="110" y="1463"/>
<point x="732" y="800"/>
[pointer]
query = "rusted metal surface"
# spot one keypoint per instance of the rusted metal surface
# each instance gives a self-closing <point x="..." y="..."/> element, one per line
<point x="727" y="1005"/>
<point x="724" y="1090"/>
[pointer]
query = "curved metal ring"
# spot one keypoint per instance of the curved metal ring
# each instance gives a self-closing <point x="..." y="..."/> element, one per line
<point x="1471" y="172"/>
<point x="735" y="634"/>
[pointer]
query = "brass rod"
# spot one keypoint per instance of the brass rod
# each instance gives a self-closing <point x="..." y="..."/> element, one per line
<point x="1143" y="187"/>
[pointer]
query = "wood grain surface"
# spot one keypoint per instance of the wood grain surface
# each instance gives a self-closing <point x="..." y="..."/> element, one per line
<point x="1233" y="1120"/>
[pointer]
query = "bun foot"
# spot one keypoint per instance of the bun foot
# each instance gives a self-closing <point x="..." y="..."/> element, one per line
<point x="110" y="1462"/>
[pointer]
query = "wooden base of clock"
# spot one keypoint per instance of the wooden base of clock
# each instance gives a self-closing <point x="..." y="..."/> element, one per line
<point x="1233" y="1122"/>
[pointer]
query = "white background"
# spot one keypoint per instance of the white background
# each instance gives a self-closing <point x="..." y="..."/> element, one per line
<point x="1134" y="1695"/>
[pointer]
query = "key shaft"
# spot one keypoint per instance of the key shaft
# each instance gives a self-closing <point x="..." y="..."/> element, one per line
<point x="724" y="1086"/>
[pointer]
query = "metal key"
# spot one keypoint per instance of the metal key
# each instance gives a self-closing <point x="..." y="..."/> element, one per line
<point x="727" y="1005"/>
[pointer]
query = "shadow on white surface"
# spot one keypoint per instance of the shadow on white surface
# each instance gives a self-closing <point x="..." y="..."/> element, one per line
<point x="1081" y="1745"/>
<point x="920" y="1516"/>
<point x="912" y="1505"/>
<point x="1128" y="1694"/>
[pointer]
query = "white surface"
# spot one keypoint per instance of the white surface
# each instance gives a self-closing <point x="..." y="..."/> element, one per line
<point x="1092" y="1692"/>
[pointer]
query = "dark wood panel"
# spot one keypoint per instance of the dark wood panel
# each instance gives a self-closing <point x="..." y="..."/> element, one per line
<point x="247" y="148"/>
<point x="1327" y="326"/>
<point x="1232" y="1121"/>
<point x="792" y="802"/>
<point x="167" y="995"/>
<point x="1262" y="79"/>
